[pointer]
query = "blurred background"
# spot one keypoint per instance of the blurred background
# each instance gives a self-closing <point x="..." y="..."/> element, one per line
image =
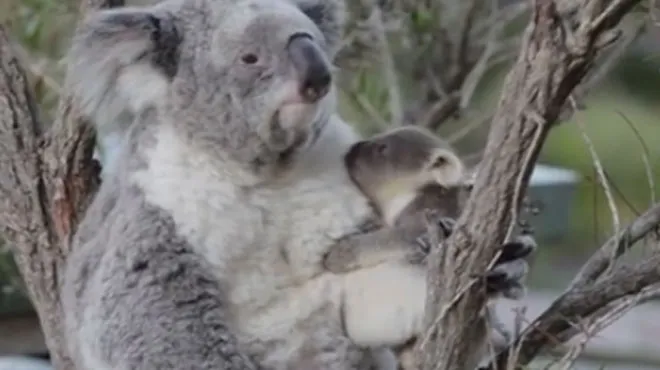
<point x="442" y="64"/>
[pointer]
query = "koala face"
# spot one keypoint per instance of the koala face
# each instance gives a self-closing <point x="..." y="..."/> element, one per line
<point x="250" y="80"/>
<point x="402" y="159"/>
<point x="254" y="81"/>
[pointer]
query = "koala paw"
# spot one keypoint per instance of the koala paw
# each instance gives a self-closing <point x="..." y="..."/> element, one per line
<point x="445" y="228"/>
<point x="424" y="242"/>
<point x="506" y="278"/>
<point x="418" y="252"/>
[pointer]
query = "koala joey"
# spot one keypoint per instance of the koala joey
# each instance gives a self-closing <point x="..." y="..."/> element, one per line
<point x="204" y="247"/>
<point x="405" y="172"/>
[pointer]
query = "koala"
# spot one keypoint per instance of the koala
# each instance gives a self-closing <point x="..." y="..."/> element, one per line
<point x="203" y="248"/>
<point x="406" y="172"/>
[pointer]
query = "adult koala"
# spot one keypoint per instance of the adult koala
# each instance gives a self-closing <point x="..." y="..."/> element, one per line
<point x="231" y="147"/>
<point x="228" y="189"/>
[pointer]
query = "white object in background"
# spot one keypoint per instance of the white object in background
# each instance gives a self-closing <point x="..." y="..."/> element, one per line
<point x="550" y="175"/>
<point x="23" y="363"/>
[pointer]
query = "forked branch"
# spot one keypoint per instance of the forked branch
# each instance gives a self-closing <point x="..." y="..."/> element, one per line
<point x="592" y="291"/>
<point x="556" y="54"/>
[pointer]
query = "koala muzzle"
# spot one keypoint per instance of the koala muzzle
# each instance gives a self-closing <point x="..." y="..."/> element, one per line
<point x="354" y="152"/>
<point x="312" y="66"/>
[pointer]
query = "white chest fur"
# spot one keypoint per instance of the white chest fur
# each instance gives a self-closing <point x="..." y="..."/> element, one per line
<point x="207" y="209"/>
<point x="266" y="244"/>
<point x="261" y="241"/>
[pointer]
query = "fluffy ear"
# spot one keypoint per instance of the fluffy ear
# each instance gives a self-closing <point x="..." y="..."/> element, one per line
<point x="447" y="168"/>
<point x="121" y="60"/>
<point x="329" y="16"/>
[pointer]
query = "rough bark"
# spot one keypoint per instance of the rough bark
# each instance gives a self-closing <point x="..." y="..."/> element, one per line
<point x="592" y="290"/>
<point x="26" y="212"/>
<point x="47" y="180"/>
<point x="556" y="54"/>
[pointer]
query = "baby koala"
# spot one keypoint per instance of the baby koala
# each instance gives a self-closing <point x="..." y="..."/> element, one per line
<point x="407" y="172"/>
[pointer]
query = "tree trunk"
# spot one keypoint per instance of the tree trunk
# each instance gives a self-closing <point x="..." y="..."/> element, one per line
<point x="46" y="179"/>
<point x="558" y="50"/>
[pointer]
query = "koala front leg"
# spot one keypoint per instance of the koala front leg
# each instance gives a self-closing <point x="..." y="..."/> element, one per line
<point x="507" y="276"/>
<point x="369" y="249"/>
<point x="510" y="269"/>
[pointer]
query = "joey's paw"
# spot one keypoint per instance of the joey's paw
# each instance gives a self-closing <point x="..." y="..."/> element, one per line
<point x="419" y="251"/>
<point x="507" y="279"/>
<point x="444" y="224"/>
<point x="507" y="276"/>
<point x="425" y="243"/>
<point x="521" y="247"/>
<point x="340" y="260"/>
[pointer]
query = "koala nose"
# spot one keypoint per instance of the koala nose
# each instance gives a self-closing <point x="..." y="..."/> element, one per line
<point x="312" y="66"/>
<point x="353" y="153"/>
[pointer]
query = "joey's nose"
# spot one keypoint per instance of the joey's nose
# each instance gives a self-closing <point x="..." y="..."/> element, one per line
<point x="312" y="66"/>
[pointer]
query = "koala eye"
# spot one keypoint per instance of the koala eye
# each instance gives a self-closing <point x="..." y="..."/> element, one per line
<point x="249" y="58"/>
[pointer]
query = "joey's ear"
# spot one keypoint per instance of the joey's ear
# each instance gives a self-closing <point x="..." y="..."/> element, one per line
<point x="446" y="167"/>
<point x="329" y="16"/>
<point x="440" y="160"/>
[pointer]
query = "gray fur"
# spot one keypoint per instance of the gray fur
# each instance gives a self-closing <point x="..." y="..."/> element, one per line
<point x="136" y="295"/>
<point x="203" y="248"/>
<point x="407" y="173"/>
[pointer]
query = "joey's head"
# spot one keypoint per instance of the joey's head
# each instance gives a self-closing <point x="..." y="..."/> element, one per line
<point x="249" y="80"/>
<point x="397" y="163"/>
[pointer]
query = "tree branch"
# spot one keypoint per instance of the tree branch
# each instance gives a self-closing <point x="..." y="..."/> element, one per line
<point x="578" y="304"/>
<point x="615" y="247"/>
<point x="534" y="93"/>
<point x="589" y="297"/>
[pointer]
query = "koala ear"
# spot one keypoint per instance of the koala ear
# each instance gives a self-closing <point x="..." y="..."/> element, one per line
<point x="122" y="59"/>
<point x="446" y="167"/>
<point x="130" y="35"/>
<point x="329" y="16"/>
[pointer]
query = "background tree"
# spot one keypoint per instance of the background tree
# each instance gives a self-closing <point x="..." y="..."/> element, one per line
<point x="432" y="56"/>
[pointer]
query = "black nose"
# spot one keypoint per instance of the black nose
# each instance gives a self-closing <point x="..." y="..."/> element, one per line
<point x="312" y="66"/>
<point x="352" y="154"/>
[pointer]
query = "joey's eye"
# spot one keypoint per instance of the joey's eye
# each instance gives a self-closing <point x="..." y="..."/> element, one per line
<point x="249" y="58"/>
<point x="381" y="148"/>
<point x="439" y="162"/>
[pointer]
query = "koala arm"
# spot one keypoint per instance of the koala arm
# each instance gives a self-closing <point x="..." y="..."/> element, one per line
<point x="150" y="304"/>
<point x="368" y="249"/>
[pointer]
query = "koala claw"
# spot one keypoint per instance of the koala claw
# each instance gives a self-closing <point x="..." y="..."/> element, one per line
<point x="418" y="253"/>
<point x="510" y="269"/>
<point x="522" y="247"/>
<point x="446" y="226"/>
<point x="499" y="283"/>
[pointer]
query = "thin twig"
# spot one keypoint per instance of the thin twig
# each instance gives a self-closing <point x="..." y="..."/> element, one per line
<point x="394" y="91"/>
<point x="583" y="302"/>
<point x="646" y="154"/>
<point x="472" y="79"/>
<point x="601" y="260"/>
<point x="616" y="223"/>
<point x="468" y="129"/>
<point x="604" y="318"/>
<point x="367" y="108"/>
